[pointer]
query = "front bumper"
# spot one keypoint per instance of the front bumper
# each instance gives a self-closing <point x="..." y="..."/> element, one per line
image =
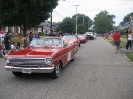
<point x="33" y="70"/>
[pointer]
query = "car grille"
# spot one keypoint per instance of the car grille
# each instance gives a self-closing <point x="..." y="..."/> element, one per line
<point x="27" y="61"/>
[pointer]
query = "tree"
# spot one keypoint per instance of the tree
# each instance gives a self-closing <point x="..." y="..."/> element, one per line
<point x="81" y="28"/>
<point x="67" y="25"/>
<point x="103" y="22"/>
<point x="82" y="19"/>
<point x="25" y="13"/>
<point x="126" y="18"/>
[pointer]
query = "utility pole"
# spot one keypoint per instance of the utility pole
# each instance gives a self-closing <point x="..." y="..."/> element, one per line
<point x="83" y="19"/>
<point x="76" y="18"/>
<point x="51" y="24"/>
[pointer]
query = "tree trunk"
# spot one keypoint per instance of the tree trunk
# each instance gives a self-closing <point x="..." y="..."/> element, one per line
<point x="24" y="29"/>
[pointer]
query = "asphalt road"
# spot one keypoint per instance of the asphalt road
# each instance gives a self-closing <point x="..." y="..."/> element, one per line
<point x="97" y="73"/>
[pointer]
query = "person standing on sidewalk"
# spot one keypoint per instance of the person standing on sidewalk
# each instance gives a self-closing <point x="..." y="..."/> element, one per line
<point x="116" y="37"/>
<point x="7" y="42"/>
<point x="129" y="40"/>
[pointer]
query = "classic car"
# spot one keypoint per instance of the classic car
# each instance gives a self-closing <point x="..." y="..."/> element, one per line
<point x="82" y="38"/>
<point x="45" y="55"/>
<point x="72" y="38"/>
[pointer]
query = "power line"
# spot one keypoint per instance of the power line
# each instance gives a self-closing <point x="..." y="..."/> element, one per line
<point x="59" y="14"/>
<point x="65" y="10"/>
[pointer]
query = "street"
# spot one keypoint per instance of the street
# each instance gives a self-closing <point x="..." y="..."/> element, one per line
<point x="96" y="73"/>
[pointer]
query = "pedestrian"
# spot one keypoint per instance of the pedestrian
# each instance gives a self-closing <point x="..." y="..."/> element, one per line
<point x="129" y="40"/>
<point x="26" y="42"/>
<point x="116" y="38"/>
<point x="37" y="36"/>
<point x="7" y="42"/>
<point x="30" y="36"/>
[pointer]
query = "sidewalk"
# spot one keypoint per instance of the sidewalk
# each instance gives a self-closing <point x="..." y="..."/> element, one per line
<point x="123" y="49"/>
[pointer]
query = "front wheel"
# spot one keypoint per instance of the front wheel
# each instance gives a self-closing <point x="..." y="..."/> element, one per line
<point x="57" y="71"/>
<point x="17" y="73"/>
<point x="73" y="59"/>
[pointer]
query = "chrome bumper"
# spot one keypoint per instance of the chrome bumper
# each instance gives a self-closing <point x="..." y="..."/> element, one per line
<point x="33" y="70"/>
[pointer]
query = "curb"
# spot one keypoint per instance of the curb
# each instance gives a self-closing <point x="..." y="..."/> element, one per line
<point x="127" y="59"/>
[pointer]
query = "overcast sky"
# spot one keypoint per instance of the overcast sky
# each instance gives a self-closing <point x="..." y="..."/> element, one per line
<point x="90" y="8"/>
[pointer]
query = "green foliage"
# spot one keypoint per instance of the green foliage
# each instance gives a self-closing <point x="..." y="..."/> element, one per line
<point x="81" y="28"/>
<point x="25" y="13"/>
<point x="82" y="19"/>
<point x="126" y="18"/>
<point x="103" y="22"/>
<point x="67" y="25"/>
<point x="122" y="32"/>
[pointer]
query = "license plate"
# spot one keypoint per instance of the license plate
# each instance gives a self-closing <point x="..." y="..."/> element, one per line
<point x="26" y="71"/>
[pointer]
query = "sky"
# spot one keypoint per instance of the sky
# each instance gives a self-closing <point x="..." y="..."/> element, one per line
<point x="67" y="8"/>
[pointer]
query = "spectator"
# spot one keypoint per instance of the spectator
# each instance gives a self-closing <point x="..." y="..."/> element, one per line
<point x="14" y="47"/>
<point x="30" y="36"/>
<point x="7" y="42"/>
<point x="26" y="42"/>
<point x="19" y="47"/>
<point x="1" y="50"/>
<point x="129" y="40"/>
<point x="116" y="37"/>
<point x="20" y="37"/>
<point x="37" y="36"/>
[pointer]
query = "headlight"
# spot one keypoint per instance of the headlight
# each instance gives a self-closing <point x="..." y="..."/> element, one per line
<point x="49" y="61"/>
<point x="7" y="61"/>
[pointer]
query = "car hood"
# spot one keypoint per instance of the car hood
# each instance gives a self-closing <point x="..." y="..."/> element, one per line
<point x="34" y="52"/>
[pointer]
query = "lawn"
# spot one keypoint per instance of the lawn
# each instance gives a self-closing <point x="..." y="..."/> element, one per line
<point x="124" y="36"/>
<point x="122" y="43"/>
<point x="17" y="40"/>
<point x="130" y="56"/>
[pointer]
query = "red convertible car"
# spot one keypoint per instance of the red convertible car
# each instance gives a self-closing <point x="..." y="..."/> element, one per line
<point x="72" y="39"/>
<point x="45" y="55"/>
<point x="82" y="38"/>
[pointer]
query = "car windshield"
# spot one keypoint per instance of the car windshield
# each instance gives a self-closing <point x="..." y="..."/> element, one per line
<point x="50" y="42"/>
<point x="69" y="37"/>
<point x="81" y="36"/>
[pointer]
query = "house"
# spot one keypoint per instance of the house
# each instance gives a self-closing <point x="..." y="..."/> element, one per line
<point x="124" y="25"/>
<point x="131" y="22"/>
<point x="43" y="27"/>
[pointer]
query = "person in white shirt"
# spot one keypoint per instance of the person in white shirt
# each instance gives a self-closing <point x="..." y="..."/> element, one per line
<point x="13" y="47"/>
<point x="129" y="40"/>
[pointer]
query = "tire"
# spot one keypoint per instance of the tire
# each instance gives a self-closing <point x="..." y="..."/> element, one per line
<point x="17" y="73"/>
<point x="79" y="45"/>
<point x="73" y="59"/>
<point x="56" y="73"/>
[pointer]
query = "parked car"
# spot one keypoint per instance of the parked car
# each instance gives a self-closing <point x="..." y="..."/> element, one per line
<point x="72" y="38"/>
<point x="45" y="55"/>
<point x="82" y="38"/>
<point x="90" y="35"/>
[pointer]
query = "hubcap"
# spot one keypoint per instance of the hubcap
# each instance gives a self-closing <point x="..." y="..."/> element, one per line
<point x="58" y="69"/>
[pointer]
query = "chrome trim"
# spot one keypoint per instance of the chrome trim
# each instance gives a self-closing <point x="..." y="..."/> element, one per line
<point x="33" y="70"/>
